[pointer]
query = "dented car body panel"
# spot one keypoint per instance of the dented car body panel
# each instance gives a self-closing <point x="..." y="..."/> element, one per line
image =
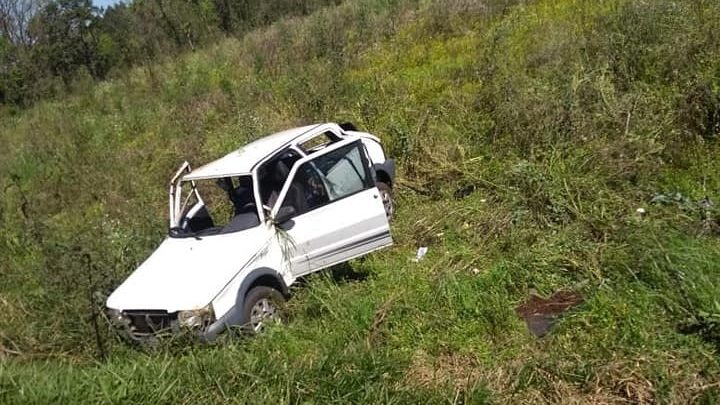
<point x="187" y="273"/>
<point x="298" y="201"/>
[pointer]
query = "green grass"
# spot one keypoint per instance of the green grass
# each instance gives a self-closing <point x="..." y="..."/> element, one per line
<point x="527" y="135"/>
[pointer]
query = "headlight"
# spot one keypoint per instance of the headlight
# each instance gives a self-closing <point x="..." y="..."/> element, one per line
<point x="196" y="317"/>
<point x="116" y="317"/>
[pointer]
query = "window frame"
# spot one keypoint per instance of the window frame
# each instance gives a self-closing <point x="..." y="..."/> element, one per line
<point x="262" y="166"/>
<point x="190" y="211"/>
<point x="369" y="178"/>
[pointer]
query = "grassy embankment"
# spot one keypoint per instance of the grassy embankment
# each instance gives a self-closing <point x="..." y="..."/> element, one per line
<point x="527" y="133"/>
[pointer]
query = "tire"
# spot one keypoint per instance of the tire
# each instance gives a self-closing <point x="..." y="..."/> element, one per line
<point x="262" y="304"/>
<point x="387" y="199"/>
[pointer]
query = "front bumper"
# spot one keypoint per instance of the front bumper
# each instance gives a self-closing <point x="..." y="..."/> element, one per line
<point x="142" y="326"/>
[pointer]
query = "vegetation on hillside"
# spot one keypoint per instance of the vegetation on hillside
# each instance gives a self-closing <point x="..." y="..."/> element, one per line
<point x="51" y="48"/>
<point x="528" y="135"/>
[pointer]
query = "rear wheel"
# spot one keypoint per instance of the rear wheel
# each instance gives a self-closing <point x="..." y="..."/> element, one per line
<point x="386" y="197"/>
<point x="263" y="306"/>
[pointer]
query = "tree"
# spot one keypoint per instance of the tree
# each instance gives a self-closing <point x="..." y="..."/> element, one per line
<point x="224" y="10"/>
<point x="18" y="72"/>
<point x="15" y="19"/>
<point x="120" y="38"/>
<point x="67" y="38"/>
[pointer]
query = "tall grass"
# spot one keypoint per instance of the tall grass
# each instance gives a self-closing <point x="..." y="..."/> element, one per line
<point x="528" y="134"/>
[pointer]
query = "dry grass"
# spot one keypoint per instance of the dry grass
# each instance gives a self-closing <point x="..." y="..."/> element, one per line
<point x="435" y="372"/>
<point x="617" y="382"/>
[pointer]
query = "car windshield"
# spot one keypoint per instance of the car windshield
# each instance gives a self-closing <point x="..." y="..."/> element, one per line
<point x="215" y="206"/>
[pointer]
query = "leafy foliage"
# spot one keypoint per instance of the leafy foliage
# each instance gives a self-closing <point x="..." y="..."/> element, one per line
<point x="46" y="41"/>
<point x="528" y="134"/>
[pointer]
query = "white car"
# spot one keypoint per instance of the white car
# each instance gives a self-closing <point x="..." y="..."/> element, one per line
<point x="244" y="228"/>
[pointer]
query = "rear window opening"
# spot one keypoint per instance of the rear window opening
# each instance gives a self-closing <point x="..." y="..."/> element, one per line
<point x="319" y="142"/>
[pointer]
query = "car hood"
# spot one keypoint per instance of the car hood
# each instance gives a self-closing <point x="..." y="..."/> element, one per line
<point x="187" y="273"/>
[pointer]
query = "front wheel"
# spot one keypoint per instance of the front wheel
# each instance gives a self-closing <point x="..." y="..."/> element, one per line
<point x="263" y="305"/>
<point x="386" y="197"/>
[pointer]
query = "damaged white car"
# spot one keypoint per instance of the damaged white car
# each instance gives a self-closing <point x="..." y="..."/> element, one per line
<point x="244" y="228"/>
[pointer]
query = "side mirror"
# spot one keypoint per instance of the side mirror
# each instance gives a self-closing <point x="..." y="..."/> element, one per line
<point x="284" y="214"/>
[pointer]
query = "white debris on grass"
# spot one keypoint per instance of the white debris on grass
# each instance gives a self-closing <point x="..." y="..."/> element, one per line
<point x="421" y="252"/>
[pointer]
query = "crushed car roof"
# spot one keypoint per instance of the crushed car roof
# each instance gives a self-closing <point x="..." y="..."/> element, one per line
<point x="244" y="159"/>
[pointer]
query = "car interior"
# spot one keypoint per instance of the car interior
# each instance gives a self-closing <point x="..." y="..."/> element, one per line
<point x="273" y="174"/>
<point x="228" y="206"/>
<point x="233" y="197"/>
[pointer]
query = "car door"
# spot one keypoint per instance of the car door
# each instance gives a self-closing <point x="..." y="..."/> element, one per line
<point x="338" y="211"/>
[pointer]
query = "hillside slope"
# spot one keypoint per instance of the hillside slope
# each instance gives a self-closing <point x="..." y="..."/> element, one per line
<point x="527" y="134"/>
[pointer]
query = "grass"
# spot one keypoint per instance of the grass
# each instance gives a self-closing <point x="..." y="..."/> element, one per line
<point x="527" y="136"/>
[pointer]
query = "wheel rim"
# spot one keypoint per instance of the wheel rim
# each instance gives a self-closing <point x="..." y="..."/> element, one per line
<point x="387" y="203"/>
<point x="262" y="312"/>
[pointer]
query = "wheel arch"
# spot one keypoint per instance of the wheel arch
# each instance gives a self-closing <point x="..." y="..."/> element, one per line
<point x="269" y="280"/>
<point x="385" y="172"/>
<point x="263" y="276"/>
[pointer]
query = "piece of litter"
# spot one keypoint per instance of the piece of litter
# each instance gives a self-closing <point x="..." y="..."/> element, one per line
<point x="475" y="270"/>
<point x="440" y="234"/>
<point x="422" y="251"/>
<point x="482" y="200"/>
<point x="640" y="211"/>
